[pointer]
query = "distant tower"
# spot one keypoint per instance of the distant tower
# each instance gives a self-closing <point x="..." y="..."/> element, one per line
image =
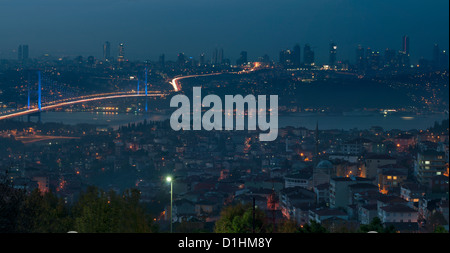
<point x="242" y="59"/>
<point x="25" y="52"/>
<point x="121" y="57"/>
<point x="360" y="59"/>
<point x="405" y="51"/>
<point x="286" y="58"/>
<point x="405" y="44"/>
<point x="162" y="60"/>
<point x="373" y="59"/>
<point x="22" y="53"/>
<point x="220" y="56"/>
<point x="389" y="58"/>
<point x="436" y="58"/>
<point x="296" y="56"/>
<point x="106" y="51"/>
<point x="181" y="60"/>
<point x="202" y="59"/>
<point x="333" y="51"/>
<point x="308" y="55"/>
<point x="215" y="56"/>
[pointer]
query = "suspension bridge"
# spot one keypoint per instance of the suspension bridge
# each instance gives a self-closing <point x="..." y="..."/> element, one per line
<point x="59" y="96"/>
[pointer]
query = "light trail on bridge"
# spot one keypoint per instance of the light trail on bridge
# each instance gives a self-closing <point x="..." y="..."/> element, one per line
<point x="78" y="100"/>
<point x="102" y="96"/>
<point x="176" y="85"/>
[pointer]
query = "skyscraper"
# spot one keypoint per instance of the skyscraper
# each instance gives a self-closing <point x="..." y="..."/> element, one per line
<point x="390" y="58"/>
<point x="202" y="59"/>
<point x="162" y="61"/>
<point x="106" y="51"/>
<point x="121" y="57"/>
<point x="296" y="56"/>
<point x="440" y="58"/>
<point x="373" y="59"/>
<point x="220" y="57"/>
<point x="308" y="55"/>
<point x="19" y="53"/>
<point x="181" y="59"/>
<point x="405" y="44"/>
<point x="25" y="52"/>
<point x="285" y="58"/>
<point x="360" y="59"/>
<point x="22" y="53"/>
<point x="404" y="54"/>
<point x="436" y="52"/>
<point x="242" y="59"/>
<point x="443" y="59"/>
<point x="332" y="56"/>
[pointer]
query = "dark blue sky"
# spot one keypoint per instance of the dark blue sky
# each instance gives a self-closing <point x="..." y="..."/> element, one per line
<point x="151" y="27"/>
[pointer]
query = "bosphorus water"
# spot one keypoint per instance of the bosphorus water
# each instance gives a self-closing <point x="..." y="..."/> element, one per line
<point x="307" y="120"/>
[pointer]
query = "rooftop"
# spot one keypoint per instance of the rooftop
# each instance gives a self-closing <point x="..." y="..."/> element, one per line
<point x="398" y="208"/>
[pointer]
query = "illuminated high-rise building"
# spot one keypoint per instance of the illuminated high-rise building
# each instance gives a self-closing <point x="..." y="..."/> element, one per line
<point x="286" y="58"/>
<point x="121" y="57"/>
<point x="373" y="59"/>
<point x="436" y="55"/>
<point x="107" y="51"/>
<point x="332" y="56"/>
<point x="181" y="59"/>
<point x="202" y="61"/>
<point x="404" y="56"/>
<point x="405" y="44"/>
<point x="440" y="58"/>
<point x="390" y="59"/>
<point x="360" y="58"/>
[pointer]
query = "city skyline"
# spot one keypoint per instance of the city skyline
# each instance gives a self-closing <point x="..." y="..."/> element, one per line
<point x="217" y="55"/>
<point x="151" y="29"/>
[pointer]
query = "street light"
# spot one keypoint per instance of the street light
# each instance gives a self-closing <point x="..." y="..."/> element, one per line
<point x="169" y="179"/>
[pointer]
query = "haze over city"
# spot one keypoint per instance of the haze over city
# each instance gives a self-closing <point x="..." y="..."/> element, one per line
<point x="150" y="28"/>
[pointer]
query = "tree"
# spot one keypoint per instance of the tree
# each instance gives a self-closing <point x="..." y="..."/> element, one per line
<point x="239" y="219"/>
<point x="312" y="227"/>
<point x="435" y="220"/>
<point x="287" y="226"/>
<point x="106" y="212"/>
<point x="376" y="225"/>
<point x="10" y="201"/>
<point x="43" y="213"/>
<point x="440" y="229"/>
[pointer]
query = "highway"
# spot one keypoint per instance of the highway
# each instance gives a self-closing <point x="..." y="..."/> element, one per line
<point x="176" y="86"/>
<point x="96" y="97"/>
<point x="79" y="100"/>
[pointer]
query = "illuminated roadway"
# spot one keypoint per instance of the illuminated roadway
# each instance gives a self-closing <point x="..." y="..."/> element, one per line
<point x="78" y="100"/>
<point x="96" y="97"/>
<point x="176" y="86"/>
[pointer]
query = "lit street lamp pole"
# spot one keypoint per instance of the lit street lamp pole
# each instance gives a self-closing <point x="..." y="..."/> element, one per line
<point x="169" y="179"/>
